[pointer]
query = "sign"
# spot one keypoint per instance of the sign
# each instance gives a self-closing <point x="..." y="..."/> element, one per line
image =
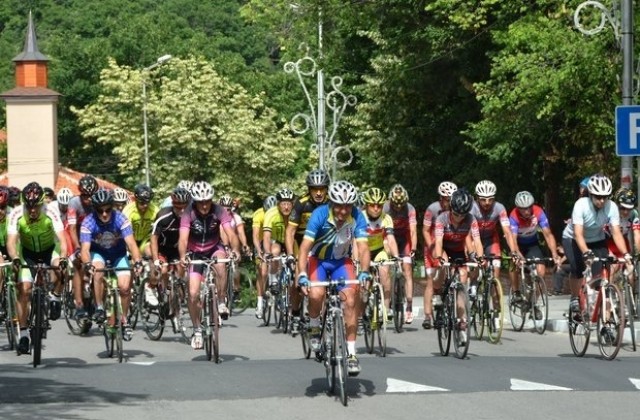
<point x="628" y="130"/>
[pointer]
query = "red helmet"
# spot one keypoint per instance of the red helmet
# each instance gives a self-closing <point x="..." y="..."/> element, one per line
<point x="4" y="196"/>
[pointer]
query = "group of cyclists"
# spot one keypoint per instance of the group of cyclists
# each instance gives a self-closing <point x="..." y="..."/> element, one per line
<point x="331" y="231"/>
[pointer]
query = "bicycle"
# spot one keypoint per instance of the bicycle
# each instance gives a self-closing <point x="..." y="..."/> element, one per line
<point x="398" y="297"/>
<point x="304" y="329"/>
<point x="333" y="345"/>
<point x="486" y="309"/>
<point x="9" y="306"/>
<point x="69" y="304"/>
<point x="231" y="271"/>
<point x="448" y="320"/>
<point x="531" y="298"/>
<point x="113" y="327"/>
<point x="272" y="293"/>
<point x="172" y="305"/>
<point x="596" y="294"/>
<point x="622" y="280"/>
<point x="283" y="300"/>
<point x="375" y="312"/>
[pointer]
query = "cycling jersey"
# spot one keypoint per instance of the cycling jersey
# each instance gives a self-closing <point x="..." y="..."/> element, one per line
<point x="526" y="230"/>
<point x="204" y="230"/>
<point x="300" y="214"/>
<point x="628" y="225"/>
<point x="332" y="242"/>
<point x="433" y="211"/>
<point x="106" y="239"/>
<point x="258" y="222"/>
<point x="403" y="219"/>
<point x="141" y="223"/>
<point x="593" y="220"/>
<point x="488" y="222"/>
<point x="453" y="238"/>
<point x="38" y="235"/>
<point x="79" y="212"/>
<point x="3" y="234"/>
<point x="377" y="230"/>
<point x="274" y="222"/>
<point x="167" y="228"/>
<point x="64" y="216"/>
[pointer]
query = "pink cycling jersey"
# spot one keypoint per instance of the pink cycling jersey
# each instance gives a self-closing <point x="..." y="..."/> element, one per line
<point x="204" y="231"/>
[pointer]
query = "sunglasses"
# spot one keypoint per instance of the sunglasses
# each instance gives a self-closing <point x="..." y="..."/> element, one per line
<point x="600" y="197"/>
<point x="104" y="210"/>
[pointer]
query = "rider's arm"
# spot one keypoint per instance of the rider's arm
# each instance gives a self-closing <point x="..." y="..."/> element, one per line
<point x="232" y="237"/>
<point x="12" y="246"/>
<point x="413" y="230"/>
<point x="62" y="238"/>
<point x="289" y="238"/>
<point x="183" y="240"/>
<point x="551" y="243"/>
<point x="303" y="255"/>
<point x="266" y="241"/>
<point x="133" y="248"/>
<point x="153" y="246"/>
<point x="618" y="239"/>
<point x="578" y="235"/>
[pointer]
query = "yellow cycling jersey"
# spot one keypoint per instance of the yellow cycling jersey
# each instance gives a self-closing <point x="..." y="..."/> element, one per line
<point x="141" y="223"/>
<point x="274" y="222"/>
<point x="258" y="221"/>
<point x="377" y="230"/>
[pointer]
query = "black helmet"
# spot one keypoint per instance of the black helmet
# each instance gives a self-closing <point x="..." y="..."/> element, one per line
<point x="48" y="192"/>
<point x="626" y="198"/>
<point x="88" y="185"/>
<point x="143" y="193"/>
<point x="180" y="196"/>
<point x="284" y="194"/>
<point x="102" y="197"/>
<point x="461" y="201"/>
<point x="318" y="178"/>
<point x="33" y="195"/>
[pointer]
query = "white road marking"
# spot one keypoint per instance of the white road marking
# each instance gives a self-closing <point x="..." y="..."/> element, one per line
<point x="396" y="385"/>
<point x="520" y="385"/>
<point x="141" y="363"/>
<point x="635" y="382"/>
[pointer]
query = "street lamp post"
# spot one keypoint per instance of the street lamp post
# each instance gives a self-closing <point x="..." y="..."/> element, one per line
<point x="160" y="61"/>
<point x="624" y="36"/>
<point x="335" y="100"/>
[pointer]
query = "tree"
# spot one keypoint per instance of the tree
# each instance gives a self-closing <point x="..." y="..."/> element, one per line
<point x="200" y="125"/>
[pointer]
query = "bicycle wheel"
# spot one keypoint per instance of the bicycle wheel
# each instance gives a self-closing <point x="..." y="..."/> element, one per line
<point x="180" y="310"/>
<point x="109" y="334"/>
<point x="478" y="311"/>
<point x="152" y="317"/>
<point x="340" y="356"/>
<point x="517" y="309"/>
<point x="460" y="328"/>
<point x="266" y="308"/>
<point x="304" y="336"/>
<point x="610" y="322"/>
<point x="11" y="323"/>
<point x="579" y="330"/>
<point x="368" y="319"/>
<point x="628" y="300"/>
<point x="132" y="315"/>
<point x="118" y="327"/>
<point x="443" y="326"/>
<point x="230" y="282"/>
<point x="38" y="322"/>
<point x="285" y="309"/>
<point x="495" y="315"/>
<point x="215" y="326"/>
<point x="382" y="322"/>
<point x="398" y="301"/>
<point x="540" y="307"/>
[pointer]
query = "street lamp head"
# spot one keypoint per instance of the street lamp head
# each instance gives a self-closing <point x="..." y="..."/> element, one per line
<point x="164" y="59"/>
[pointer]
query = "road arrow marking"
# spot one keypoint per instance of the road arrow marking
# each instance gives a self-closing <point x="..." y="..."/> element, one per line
<point x="141" y="363"/>
<point x="520" y="385"/>
<point x="396" y="385"/>
<point x="635" y="382"/>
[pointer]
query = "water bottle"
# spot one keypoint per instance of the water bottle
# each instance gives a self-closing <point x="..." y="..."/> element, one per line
<point x="591" y="296"/>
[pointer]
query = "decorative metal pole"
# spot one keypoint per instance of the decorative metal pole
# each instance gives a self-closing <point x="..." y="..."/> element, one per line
<point x="626" y="37"/>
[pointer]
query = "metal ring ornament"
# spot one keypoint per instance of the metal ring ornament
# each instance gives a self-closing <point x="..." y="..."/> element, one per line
<point x="344" y="150"/>
<point x="604" y="16"/>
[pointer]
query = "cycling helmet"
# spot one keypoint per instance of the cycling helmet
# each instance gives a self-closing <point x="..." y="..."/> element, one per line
<point x="185" y="184"/>
<point x="446" y="188"/>
<point x="102" y="197"/>
<point x="524" y="199"/>
<point x="625" y="197"/>
<point x="143" y="193"/>
<point x="15" y="193"/>
<point x="486" y="189"/>
<point x="49" y="193"/>
<point x="284" y="194"/>
<point x="585" y="182"/>
<point x="269" y="202"/>
<point x="64" y="196"/>
<point x="180" y="195"/>
<point x="374" y="196"/>
<point x="599" y="185"/>
<point x="398" y="195"/>
<point x="4" y="196"/>
<point x="461" y="201"/>
<point x="32" y="195"/>
<point x="343" y="192"/>
<point x="120" y="195"/>
<point x="87" y="185"/>
<point x="226" y="201"/>
<point x="201" y="191"/>
<point x="318" y="178"/>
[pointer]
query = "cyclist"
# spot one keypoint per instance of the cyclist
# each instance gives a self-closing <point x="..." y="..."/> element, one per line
<point x="445" y="190"/>
<point x="61" y="205"/>
<point x="49" y="195"/>
<point x="199" y="234"/>
<point x="456" y="232"/>
<point x="405" y="231"/>
<point x="120" y="198"/>
<point x="105" y="237"/>
<point x="584" y="237"/>
<point x="382" y="243"/>
<point x="256" y="229"/>
<point x="167" y="202"/>
<point x="164" y="238"/>
<point x="317" y="193"/>
<point x="238" y="225"/>
<point x="14" y="196"/>
<point x="32" y="232"/>
<point x="273" y="232"/>
<point x="626" y="200"/>
<point x="526" y="219"/>
<point x="325" y="252"/>
<point x="4" y="209"/>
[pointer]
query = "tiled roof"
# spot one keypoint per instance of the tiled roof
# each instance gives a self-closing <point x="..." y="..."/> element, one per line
<point x="66" y="178"/>
<point x="28" y="92"/>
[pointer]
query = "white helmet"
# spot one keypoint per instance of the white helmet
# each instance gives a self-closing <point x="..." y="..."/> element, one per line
<point x="524" y="199"/>
<point x="185" y="184"/>
<point x="64" y="196"/>
<point x="343" y="192"/>
<point x="201" y="191"/>
<point x="446" y="188"/>
<point x="486" y="188"/>
<point x="120" y="195"/>
<point x="599" y="185"/>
